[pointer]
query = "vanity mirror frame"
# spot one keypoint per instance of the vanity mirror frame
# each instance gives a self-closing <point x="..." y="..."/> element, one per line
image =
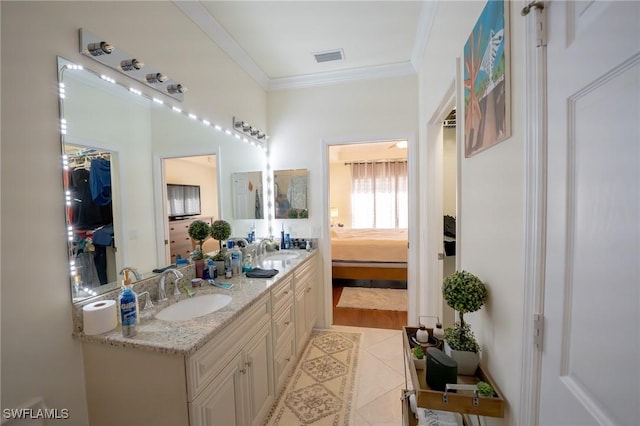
<point x="220" y="141"/>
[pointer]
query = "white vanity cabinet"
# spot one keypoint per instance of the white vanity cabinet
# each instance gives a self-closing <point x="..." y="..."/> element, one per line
<point x="283" y="331"/>
<point x="233" y="373"/>
<point x="231" y="380"/>
<point x="305" y="301"/>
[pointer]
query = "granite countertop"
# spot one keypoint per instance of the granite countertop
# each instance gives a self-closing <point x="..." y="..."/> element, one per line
<point x="186" y="337"/>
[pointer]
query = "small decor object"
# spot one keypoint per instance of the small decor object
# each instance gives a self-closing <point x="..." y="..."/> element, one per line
<point x="485" y="389"/>
<point x="463" y="292"/>
<point x="220" y="230"/>
<point x="487" y="100"/>
<point x="441" y="369"/>
<point x="418" y="358"/>
<point x="199" y="230"/>
<point x="422" y="335"/>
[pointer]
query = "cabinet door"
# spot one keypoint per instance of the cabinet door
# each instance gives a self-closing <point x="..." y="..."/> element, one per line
<point x="258" y="357"/>
<point x="221" y="402"/>
<point x="301" y="319"/>
<point x="284" y="359"/>
<point x="310" y="303"/>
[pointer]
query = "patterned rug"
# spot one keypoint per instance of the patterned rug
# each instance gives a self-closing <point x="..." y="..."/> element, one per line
<point x="321" y="388"/>
<point x="385" y="299"/>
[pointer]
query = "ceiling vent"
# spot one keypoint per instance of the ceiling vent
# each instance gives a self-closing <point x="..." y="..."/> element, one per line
<point x="328" y="56"/>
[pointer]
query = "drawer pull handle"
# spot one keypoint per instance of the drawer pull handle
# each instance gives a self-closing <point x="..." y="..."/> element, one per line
<point x="243" y="371"/>
<point x="287" y="322"/>
<point x="286" y="292"/>
<point x="287" y="359"/>
<point x="248" y="363"/>
<point x="308" y="289"/>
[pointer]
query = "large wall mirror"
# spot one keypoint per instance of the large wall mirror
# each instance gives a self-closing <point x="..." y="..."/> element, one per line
<point x="290" y="192"/>
<point x="118" y="141"/>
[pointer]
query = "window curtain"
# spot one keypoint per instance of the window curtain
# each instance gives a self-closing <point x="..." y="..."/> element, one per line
<point x="379" y="195"/>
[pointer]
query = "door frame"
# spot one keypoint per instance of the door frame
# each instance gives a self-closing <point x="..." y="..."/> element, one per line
<point x="325" y="242"/>
<point x="535" y="164"/>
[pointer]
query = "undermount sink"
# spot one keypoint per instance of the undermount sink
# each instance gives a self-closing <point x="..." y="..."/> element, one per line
<point x="282" y="256"/>
<point x="194" y="307"/>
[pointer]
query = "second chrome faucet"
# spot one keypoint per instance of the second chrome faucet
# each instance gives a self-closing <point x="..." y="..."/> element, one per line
<point x="162" y="294"/>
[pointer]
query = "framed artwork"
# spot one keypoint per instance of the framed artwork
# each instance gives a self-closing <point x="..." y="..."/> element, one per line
<point x="487" y="100"/>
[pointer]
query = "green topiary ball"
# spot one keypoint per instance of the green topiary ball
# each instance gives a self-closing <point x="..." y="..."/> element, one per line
<point x="464" y="292"/>
<point x="199" y="230"/>
<point x="221" y="230"/>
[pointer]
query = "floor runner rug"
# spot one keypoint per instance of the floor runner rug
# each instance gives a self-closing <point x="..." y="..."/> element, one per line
<point x="321" y="389"/>
<point x="386" y="299"/>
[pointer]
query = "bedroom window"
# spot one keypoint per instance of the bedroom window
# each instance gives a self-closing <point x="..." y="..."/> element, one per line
<point x="379" y="196"/>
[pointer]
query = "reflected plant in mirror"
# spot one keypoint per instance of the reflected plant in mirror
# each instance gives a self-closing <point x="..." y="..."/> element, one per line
<point x="290" y="188"/>
<point x="130" y="134"/>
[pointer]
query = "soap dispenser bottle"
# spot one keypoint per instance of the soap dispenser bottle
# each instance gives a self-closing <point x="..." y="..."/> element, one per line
<point x="128" y="312"/>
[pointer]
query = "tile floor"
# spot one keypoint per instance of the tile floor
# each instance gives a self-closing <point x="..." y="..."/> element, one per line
<point x="381" y="377"/>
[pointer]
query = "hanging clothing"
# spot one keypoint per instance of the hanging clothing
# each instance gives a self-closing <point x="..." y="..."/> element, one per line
<point x="258" y="205"/>
<point x="86" y="214"/>
<point x="100" y="181"/>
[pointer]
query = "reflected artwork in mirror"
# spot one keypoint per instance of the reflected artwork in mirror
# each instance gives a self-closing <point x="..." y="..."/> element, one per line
<point x="290" y="191"/>
<point x="102" y="118"/>
<point x="248" y="195"/>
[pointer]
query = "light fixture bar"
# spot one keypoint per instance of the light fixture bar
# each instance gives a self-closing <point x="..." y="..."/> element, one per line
<point x="247" y="130"/>
<point x="99" y="49"/>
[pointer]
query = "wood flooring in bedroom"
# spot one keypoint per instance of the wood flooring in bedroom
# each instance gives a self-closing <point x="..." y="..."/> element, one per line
<point x="392" y="320"/>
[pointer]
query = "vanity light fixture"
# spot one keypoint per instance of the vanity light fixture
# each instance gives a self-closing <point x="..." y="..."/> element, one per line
<point x="156" y="78"/>
<point x="125" y="63"/>
<point x="176" y="88"/>
<point x="250" y="131"/>
<point x="131" y="64"/>
<point x="100" y="48"/>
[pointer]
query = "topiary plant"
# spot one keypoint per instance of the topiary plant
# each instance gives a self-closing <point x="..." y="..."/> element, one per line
<point x="464" y="292"/>
<point x="199" y="230"/>
<point x="418" y="352"/>
<point x="220" y="230"/>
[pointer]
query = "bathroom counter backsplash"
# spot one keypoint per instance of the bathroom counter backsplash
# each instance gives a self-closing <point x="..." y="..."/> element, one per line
<point x="184" y="337"/>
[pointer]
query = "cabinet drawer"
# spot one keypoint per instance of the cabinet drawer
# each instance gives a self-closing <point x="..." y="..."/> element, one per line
<point x="308" y="274"/>
<point x="282" y="324"/>
<point x="284" y="360"/>
<point x="282" y="295"/>
<point x="209" y="360"/>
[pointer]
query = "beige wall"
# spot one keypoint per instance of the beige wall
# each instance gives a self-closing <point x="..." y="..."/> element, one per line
<point x="491" y="241"/>
<point x="39" y="356"/>
<point x="192" y="172"/>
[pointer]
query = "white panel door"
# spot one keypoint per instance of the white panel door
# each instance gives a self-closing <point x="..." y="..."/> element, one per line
<point x="591" y="352"/>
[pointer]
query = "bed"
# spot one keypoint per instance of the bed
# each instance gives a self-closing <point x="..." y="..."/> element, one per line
<point x="373" y="254"/>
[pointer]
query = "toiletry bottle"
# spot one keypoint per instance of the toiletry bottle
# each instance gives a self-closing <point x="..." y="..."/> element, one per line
<point x="253" y="233"/>
<point x="287" y="241"/>
<point x="236" y="261"/>
<point x="211" y="269"/>
<point x="128" y="312"/>
<point x="282" y="238"/>
<point x="127" y="283"/>
<point x="308" y="245"/>
<point x="227" y="265"/>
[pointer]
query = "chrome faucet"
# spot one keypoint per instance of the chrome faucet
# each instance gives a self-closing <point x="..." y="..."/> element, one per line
<point x="262" y="247"/>
<point x="134" y="271"/>
<point x="162" y="294"/>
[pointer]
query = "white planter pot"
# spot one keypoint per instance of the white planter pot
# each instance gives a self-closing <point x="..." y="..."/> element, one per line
<point x="467" y="361"/>
<point x="419" y="364"/>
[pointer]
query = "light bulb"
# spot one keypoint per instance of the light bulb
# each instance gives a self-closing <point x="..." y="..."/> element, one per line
<point x="156" y="78"/>
<point x="101" y="48"/>
<point x="131" y="64"/>
<point x="176" y="88"/>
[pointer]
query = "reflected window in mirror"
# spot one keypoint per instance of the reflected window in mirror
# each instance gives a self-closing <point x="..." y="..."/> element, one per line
<point x="248" y="195"/>
<point x="290" y="190"/>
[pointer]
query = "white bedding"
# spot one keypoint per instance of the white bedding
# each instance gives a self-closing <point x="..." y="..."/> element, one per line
<point x="369" y="245"/>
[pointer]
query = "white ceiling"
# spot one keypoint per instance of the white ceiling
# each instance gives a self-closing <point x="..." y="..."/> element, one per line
<point x="274" y="41"/>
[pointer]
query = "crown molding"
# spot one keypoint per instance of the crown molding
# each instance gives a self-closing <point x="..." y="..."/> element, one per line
<point x="342" y="76"/>
<point x="425" y="23"/>
<point x="212" y="28"/>
<point x="195" y="11"/>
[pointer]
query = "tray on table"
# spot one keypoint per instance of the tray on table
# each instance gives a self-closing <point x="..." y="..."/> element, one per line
<point x="461" y="401"/>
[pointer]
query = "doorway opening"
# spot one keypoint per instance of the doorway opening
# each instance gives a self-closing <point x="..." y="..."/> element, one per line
<point x="190" y="191"/>
<point x="368" y="199"/>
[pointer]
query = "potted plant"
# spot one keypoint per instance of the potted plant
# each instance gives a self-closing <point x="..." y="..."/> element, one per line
<point x="485" y="389"/>
<point x="463" y="292"/>
<point x="220" y="230"/>
<point x="199" y="230"/>
<point x="419" y="361"/>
